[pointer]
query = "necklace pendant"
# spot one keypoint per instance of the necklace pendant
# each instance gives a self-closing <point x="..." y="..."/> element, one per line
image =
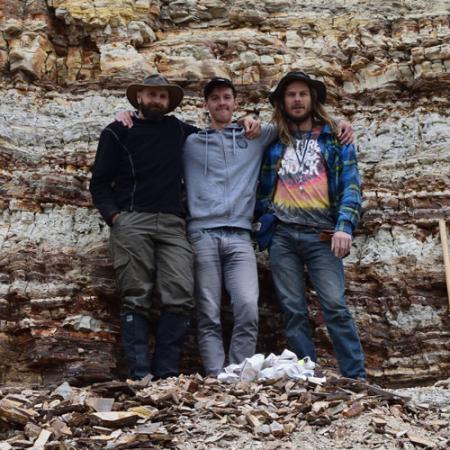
<point x="302" y="188"/>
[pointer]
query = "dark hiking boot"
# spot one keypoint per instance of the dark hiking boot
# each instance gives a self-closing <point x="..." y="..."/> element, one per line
<point x="135" y="333"/>
<point x="172" y="329"/>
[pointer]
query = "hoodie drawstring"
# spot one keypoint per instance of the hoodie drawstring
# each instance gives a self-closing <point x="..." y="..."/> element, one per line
<point x="234" y="142"/>
<point x="205" y="159"/>
<point x="205" y="171"/>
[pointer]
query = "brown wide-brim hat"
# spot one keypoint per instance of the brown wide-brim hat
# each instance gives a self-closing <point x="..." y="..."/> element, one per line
<point x="175" y="92"/>
<point x="278" y="93"/>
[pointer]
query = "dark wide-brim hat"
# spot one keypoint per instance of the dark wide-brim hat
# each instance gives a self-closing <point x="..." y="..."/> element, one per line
<point x="175" y="92"/>
<point x="278" y="93"/>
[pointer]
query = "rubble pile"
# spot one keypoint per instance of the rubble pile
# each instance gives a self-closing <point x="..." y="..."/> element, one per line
<point x="193" y="412"/>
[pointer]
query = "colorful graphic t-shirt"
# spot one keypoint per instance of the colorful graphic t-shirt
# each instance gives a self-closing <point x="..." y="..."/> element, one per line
<point x="301" y="193"/>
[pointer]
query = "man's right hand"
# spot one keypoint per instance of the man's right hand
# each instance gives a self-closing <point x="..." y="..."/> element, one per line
<point x="341" y="243"/>
<point x="125" y="118"/>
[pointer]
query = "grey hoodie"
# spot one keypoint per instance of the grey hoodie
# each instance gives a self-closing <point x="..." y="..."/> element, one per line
<point x="221" y="169"/>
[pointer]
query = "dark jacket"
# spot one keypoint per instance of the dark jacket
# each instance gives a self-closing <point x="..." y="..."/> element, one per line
<point x="140" y="169"/>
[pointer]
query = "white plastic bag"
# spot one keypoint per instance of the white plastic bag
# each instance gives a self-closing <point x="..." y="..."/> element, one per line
<point x="273" y="367"/>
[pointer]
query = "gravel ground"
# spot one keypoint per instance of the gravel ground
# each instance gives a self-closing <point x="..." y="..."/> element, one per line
<point x="432" y="404"/>
<point x="382" y="422"/>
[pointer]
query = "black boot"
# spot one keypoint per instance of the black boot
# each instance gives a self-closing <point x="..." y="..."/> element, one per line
<point x="135" y="335"/>
<point x="172" y="329"/>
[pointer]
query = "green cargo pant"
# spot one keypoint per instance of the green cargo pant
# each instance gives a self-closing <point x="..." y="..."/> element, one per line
<point x="150" y="250"/>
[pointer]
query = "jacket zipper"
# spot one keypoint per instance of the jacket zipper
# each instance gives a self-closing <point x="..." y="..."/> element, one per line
<point x="133" y="191"/>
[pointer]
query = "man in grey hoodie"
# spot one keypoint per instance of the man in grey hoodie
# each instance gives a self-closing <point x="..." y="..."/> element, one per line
<point x="221" y="168"/>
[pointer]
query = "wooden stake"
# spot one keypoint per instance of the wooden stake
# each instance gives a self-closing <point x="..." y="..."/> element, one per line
<point x="444" y="242"/>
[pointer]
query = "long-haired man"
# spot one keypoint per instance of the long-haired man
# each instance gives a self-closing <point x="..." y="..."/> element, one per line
<point x="309" y="193"/>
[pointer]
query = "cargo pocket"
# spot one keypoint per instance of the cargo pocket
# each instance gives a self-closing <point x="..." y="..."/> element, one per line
<point x="120" y="260"/>
<point x="121" y="268"/>
<point x="120" y="257"/>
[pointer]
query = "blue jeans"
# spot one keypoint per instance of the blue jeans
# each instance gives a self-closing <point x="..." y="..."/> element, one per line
<point x="225" y="255"/>
<point x="292" y="249"/>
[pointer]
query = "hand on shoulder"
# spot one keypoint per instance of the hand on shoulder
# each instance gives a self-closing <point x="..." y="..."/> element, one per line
<point x="125" y="118"/>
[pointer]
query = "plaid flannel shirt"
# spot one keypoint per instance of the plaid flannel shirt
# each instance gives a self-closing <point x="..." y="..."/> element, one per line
<point x="344" y="186"/>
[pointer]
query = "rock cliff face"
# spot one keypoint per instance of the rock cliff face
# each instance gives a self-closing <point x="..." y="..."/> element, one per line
<point x="64" y="67"/>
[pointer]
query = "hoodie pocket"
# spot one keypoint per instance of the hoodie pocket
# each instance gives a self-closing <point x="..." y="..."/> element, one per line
<point x="208" y="202"/>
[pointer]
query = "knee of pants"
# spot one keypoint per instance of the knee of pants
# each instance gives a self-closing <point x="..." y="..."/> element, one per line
<point x="247" y="311"/>
<point x="339" y="315"/>
<point x="294" y="308"/>
<point x="133" y="281"/>
<point x="208" y="330"/>
<point x="135" y="289"/>
<point x="296" y="321"/>
<point x="249" y="323"/>
<point x="136" y="303"/>
<point x="183" y="309"/>
<point x="128" y="307"/>
<point x="208" y="320"/>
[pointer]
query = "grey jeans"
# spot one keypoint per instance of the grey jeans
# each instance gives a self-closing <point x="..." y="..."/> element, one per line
<point x="225" y="256"/>
<point x="150" y="250"/>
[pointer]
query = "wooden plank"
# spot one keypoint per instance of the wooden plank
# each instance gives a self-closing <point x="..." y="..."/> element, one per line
<point x="444" y="242"/>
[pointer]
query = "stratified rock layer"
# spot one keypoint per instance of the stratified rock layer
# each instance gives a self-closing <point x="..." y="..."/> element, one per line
<point x="65" y="65"/>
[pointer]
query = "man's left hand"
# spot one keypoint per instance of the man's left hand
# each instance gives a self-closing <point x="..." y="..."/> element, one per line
<point x="346" y="134"/>
<point x="252" y="127"/>
<point x="341" y="243"/>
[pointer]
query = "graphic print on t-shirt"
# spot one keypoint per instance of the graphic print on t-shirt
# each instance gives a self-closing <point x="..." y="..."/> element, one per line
<point x="301" y="194"/>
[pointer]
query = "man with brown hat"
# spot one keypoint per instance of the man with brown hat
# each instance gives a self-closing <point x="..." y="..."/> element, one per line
<point x="136" y="186"/>
<point x="309" y="201"/>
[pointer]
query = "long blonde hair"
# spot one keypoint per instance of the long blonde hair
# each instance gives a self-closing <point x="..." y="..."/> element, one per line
<point x="319" y="116"/>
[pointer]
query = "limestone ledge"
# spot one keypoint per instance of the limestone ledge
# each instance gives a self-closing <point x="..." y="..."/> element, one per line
<point x="355" y="52"/>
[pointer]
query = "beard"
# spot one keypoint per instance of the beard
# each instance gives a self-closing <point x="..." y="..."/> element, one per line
<point x="297" y="120"/>
<point x="152" y="112"/>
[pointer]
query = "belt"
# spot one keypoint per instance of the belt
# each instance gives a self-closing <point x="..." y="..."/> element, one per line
<point x="300" y="226"/>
